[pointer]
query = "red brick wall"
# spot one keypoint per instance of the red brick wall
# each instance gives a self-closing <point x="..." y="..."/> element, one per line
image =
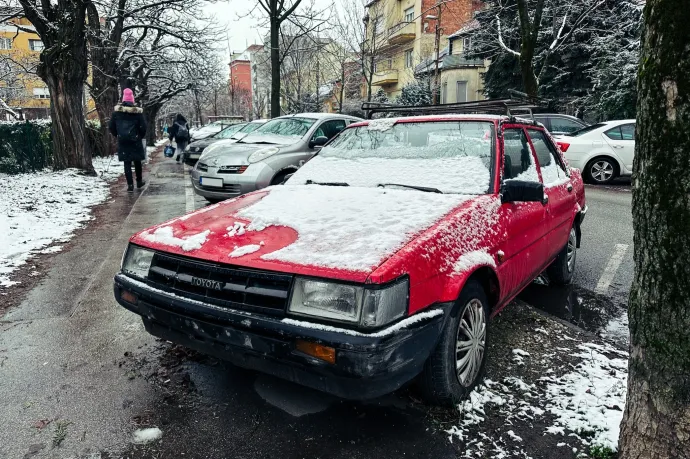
<point x="454" y="14"/>
<point x="241" y="75"/>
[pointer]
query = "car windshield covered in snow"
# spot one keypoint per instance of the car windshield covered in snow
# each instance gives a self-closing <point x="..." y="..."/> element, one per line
<point x="289" y="127"/>
<point x="439" y="156"/>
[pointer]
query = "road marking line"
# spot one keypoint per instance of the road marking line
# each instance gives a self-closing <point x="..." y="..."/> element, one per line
<point x="188" y="191"/>
<point x="611" y="269"/>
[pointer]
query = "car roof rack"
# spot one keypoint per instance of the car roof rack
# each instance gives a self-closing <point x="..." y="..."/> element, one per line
<point x="517" y="103"/>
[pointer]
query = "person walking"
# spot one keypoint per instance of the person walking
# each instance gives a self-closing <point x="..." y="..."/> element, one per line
<point x="180" y="132"/>
<point x="129" y="126"/>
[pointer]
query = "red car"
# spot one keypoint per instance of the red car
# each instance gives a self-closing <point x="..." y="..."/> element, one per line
<point x="379" y="261"/>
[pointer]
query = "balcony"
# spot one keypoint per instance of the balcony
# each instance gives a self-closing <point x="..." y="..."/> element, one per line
<point x="401" y="33"/>
<point x="385" y="77"/>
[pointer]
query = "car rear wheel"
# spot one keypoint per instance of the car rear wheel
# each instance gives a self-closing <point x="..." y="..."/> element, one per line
<point x="458" y="362"/>
<point x="601" y="170"/>
<point x="561" y="271"/>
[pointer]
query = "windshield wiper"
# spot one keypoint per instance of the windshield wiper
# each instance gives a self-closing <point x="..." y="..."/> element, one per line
<point x="311" y="182"/>
<point x="420" y="188"/>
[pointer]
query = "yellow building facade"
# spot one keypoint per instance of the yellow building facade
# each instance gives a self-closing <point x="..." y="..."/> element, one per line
<point x="20" y="89"/>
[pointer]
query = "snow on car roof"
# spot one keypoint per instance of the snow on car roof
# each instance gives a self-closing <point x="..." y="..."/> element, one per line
<point x="447" y="117"/>
<point x="318" y="116"/>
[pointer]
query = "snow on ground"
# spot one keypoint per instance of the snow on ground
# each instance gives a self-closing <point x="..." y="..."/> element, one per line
<point x="148" y="435"/>
<point x="41" y="208"/>
<point x="346" y="227"/>
<point x="580" y="402"/>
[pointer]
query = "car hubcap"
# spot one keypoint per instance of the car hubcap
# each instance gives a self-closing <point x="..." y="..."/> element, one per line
<point x="470" y="342"/>
<point x="572" y="247"/>
<point x="602" y="171"/>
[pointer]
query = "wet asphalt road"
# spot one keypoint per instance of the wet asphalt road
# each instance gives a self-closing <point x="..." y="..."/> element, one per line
<point x="69" y="352"/>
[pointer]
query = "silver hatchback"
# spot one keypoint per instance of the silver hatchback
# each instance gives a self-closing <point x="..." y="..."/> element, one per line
<point x="266" y="156"/>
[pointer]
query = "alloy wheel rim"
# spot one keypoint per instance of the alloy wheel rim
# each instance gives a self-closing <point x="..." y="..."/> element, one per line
<point x="602" y="171"/>
<point x="470" y="342"/>
<point x="572" y="247"/>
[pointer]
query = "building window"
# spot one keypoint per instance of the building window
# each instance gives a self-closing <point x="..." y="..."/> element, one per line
<point x="409" y="14"/>
<point x="41" y="93"/>
<point x="5" y="43"/>
<point x="466" y="45"/>
<point x="378" y="26"/>
<point x="408" y="58"/>
<point x="36" y="45"/>
<point x="461" y="91"/>
<point x="444" y="92"/>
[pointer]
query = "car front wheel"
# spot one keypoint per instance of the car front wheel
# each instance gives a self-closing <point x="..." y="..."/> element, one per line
<point x="458" y="362"/>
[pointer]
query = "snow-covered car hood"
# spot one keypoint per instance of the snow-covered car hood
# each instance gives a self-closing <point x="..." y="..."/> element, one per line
<point x="203" y="143"/>
<point x="339" y="232"/>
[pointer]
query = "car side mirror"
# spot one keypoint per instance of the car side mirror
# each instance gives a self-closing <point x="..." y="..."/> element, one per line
<point x="319" y="141"/>
<point x="521" y="191"/>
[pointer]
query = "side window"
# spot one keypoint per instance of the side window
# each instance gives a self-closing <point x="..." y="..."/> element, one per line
<point x="614" y="134"/>
<point x="628" y="132"/>
<point x="329" y="129"/>
<point x="551" y="170"/>
<point x="559" y="124"/>
<point x="518" y="162"/>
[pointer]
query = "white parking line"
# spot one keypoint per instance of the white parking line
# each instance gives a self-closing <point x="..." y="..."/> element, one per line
<point x="611" y="269"/>
<point x="188" y="190"/>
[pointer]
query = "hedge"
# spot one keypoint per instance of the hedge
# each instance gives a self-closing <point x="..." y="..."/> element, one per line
<point x="27" y="147"/>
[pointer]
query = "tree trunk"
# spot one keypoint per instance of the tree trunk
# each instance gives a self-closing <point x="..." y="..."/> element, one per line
<point x="150" y="115"/>
<point x="656" y="422"/>
<point x="105" y="105"/>
<point x="275" y="68"/>
<point x="70" y="148"/>
<point x="529" y="78"/>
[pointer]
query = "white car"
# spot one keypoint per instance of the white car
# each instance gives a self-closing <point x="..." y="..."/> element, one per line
<point x="602" y="151"/>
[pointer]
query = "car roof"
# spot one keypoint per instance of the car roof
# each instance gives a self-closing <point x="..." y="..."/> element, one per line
<point x="319" y="116"/>
<point x="451" y="117"/>
<point x="554" y="115"/>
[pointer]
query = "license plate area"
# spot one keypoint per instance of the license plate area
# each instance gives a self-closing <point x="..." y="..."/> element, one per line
<point x="210" y="181"/>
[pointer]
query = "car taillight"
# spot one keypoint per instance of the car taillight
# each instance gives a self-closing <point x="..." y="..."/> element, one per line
<point x="563" y="146"/>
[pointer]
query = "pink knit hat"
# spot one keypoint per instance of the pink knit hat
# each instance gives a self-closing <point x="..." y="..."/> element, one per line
<point x="128" y="96"/>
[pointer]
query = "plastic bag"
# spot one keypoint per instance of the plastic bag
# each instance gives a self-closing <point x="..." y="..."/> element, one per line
<point x="169" y="151"/>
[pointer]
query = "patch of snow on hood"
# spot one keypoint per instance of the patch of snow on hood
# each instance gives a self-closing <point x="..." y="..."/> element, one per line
<point x="346" y="227"/>
<point x="164" y="235"/>
<point x="382" y="124"/>
<point x="244" y="250"/>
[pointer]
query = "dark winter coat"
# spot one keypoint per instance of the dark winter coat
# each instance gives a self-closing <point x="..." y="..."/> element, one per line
<point x="128" y="121"/>
<point x="174" y="130"/>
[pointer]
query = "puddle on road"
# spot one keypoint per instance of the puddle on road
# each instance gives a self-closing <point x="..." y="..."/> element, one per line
<point x="583" y="308"/>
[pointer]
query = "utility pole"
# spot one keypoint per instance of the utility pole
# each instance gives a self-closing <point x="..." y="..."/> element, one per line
<point x="437" y="45"/>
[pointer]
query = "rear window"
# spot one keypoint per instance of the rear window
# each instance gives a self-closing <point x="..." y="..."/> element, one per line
<point x="587" y="129"/>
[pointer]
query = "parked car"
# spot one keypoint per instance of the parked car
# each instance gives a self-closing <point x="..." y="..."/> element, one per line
<point x="212" y="128"/>
<point x="602" y="151"/>
<point x="266" y="156"/>
<point x="381" y="260"/>
<point x="558" y="124"/>
<point x="230" y="134"/>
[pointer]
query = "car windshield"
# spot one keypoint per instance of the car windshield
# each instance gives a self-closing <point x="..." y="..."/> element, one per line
<point x="246" y="129"/>
<point x="440" y="156"/>
<point x="229" y="131"/>
<point x="288" y="127"/>
<point x="587" y="129"/>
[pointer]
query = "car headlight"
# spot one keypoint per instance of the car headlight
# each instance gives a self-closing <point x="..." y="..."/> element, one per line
<point x="369" y="307"/>
<point x="137" y="262"/>
<point x="260" y="155"/>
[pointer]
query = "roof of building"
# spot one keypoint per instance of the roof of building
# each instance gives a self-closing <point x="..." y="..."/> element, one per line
<point x="254" y="48"/>
<point x="468" y="27"/>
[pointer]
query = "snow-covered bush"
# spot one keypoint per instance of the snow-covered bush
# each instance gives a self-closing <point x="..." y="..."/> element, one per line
<point x="414" y="94"/>
<point x="25" y="147"/>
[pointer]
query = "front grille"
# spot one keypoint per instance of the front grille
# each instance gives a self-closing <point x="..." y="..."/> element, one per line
<point x="201" y="167"/>
<point x="227" y="188"/>
<point x="232" y="169"/>
<point x="241" y="288"/>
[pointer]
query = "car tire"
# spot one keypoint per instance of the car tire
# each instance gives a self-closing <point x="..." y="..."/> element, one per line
<point x="601" y="170"/>
<point x="561" y="271"/>
<point x="441" y="381"/>
<point x="281" y="176"/>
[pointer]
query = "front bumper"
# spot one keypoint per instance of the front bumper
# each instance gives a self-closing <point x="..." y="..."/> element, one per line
<point x="256" y="176"/>
<point x="366" y="365"/>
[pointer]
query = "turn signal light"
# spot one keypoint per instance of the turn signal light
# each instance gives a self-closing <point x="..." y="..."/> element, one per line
<point x="563" y="146"/>
<point x="129" y="297"/>
<point x="325" y="353"/>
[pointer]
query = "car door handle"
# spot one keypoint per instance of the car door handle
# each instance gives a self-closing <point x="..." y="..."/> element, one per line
<point x="618" y="146"/>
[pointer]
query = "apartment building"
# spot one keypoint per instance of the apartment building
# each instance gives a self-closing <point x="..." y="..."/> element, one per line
<point x="21" y="92"/>
<point x="401" y="35"/>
